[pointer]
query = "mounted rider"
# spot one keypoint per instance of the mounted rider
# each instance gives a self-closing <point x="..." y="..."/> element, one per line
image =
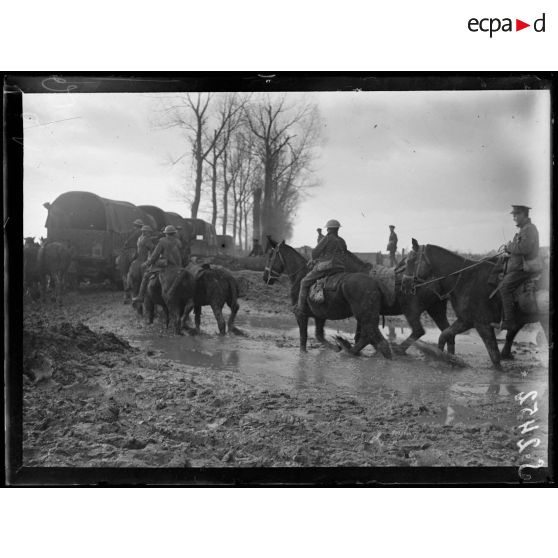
<point x="523" y="262"/>
<point x="145" y="244"/>
<point x="167" y="254"/>
<point x="320" y="235"/>
<point x="329" y="257"/>
<point x="132" y="239"/>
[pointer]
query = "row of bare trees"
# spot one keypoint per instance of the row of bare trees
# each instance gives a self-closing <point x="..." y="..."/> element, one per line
<point x="251" y="158"/>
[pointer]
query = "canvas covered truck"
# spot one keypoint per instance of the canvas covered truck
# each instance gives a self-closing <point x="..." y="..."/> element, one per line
<point x="204" y="242"/>
<point x="96" y="229"/>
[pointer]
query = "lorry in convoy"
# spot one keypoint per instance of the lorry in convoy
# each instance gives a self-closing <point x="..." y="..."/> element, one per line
<point x="96" y="229"/>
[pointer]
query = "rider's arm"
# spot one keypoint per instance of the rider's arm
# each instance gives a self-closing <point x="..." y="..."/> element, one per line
<point x="155" y="254"/>
<point x="525" y="243"/>
<point x="317" y="252"/>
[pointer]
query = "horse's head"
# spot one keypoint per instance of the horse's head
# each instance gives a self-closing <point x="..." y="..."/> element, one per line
<point x="417" y="267"/>
<point x="275" y="262"/>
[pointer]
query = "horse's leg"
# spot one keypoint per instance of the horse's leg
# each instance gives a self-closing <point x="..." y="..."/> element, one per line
<point x="510" y="336"/>
<point x="358" y="332"/>
<point x="438" y="312"/>
<point x="197" y="317"/>
<point x="303" y="330"/>
<point x="149" y="309"/>
<point x="417" y="331"/>
<point x="320" y="334"/>
<point x="234" y="306"/>
<point x="186" y="314"/>
<point x="450" y="332"/>
<point x="489" y="339"/>
<point x="218" y="313"/>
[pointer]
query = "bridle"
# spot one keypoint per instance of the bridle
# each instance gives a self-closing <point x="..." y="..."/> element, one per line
<point x="420" y="282"/>
<point x="271" y="273"/>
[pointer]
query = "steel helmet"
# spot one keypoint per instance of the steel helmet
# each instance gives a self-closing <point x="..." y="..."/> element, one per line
<point x="146" y="228"/>
<point x="138" y="222"/>
<point x="169" y="229"/>
<point x="333" y="224"/>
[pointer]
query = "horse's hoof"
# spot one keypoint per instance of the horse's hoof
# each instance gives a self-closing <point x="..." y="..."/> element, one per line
<point x="398" y="350"/>
<point x="237" y="331"/>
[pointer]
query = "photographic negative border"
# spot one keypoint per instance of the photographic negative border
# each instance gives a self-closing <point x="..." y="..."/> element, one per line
<point x="16" y="84"/>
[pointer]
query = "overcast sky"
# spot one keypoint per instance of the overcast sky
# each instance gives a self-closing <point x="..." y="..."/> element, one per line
<point x="443" y="167"/>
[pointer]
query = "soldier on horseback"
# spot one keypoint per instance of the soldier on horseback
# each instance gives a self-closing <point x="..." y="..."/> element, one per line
<point x="134" y="235"/>
<point x="522" y="262"/>
<point x="145" y="244"/>
<point x="167" y="254"/>
<point x="330" y="256"/>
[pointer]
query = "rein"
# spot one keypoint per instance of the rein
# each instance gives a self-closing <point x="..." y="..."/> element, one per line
<point x="419" y="282"/>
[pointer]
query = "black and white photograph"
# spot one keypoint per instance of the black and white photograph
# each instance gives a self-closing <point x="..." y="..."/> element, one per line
<point x="271" y="274"/>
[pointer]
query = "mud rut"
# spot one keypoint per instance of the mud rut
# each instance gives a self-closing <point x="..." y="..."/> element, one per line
<point x="101" y="388"/>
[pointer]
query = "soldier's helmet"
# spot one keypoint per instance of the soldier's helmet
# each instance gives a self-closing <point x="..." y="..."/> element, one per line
<point x="138" y="223"/>
<point x="169" y="229"/>
<point x="146" y="228"/>
<point x="333" y="224"/>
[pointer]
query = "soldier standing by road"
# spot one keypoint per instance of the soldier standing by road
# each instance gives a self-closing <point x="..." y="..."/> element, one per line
<point x="392" y="246"/>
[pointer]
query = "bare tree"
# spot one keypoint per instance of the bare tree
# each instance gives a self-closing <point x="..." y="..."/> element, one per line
<point x="285" y="137"/>
<point x="192" y="113"/>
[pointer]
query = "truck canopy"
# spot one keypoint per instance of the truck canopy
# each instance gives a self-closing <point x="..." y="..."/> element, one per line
<point x="84" y="210"/>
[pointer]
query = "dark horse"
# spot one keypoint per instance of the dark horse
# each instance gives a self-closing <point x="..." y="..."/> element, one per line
<point x="411" y="306"/>
<point x="54" y="259"/>
<point x="31" y="271"/>
<point x="215" y="286"/>
<point x="358" y="295"/>
<point x="465" y="282"/>
<point x="173" y="290"/>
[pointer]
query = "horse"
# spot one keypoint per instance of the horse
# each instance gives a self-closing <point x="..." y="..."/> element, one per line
<point x="215" y="287"/>
<point x="173" y="289"/>
<point x="123" y="262"/>
<point x="31" y="270"/>
<point x="466" y="284"/>
<point x="411" y="306"/>
<point x="54" y="259"/>
<point x="133" y="283"/>
<point x="357" y="295"/>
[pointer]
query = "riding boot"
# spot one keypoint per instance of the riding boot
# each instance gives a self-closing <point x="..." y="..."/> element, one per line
<point x="508" y="308"/>
<point x="143" y="287"/>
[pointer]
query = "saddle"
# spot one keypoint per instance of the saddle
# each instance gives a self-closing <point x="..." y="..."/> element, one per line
<point x="386" y="279"/>
<point x="329" y="283"/>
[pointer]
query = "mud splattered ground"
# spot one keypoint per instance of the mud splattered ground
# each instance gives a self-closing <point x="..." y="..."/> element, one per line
<point x="102" y="388"/>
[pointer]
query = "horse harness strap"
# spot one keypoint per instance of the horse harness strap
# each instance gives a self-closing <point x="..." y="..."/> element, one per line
<point x="271" y="274"/>
<point x="458" y="273"/>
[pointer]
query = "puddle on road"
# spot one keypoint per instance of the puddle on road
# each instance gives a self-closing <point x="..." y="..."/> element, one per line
<point x="260" y="362"/>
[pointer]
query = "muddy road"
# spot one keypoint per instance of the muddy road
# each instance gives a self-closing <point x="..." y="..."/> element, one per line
<point x="103" y="388"/>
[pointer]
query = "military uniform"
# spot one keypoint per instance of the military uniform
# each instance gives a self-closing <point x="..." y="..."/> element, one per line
<point x="330" y="254"/>
<point x="392" y="247"/>
<point x="145" y="246"/>
<point x="524" y="247"/>
<point x="167" y="254"/>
